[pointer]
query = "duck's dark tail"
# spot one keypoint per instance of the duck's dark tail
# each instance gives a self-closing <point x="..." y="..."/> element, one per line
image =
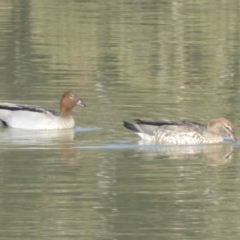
<point x="140" y="126"/>
<point x="130" y="126"/>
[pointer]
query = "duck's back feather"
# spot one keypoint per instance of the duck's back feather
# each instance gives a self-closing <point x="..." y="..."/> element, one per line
<point x="25" y="107"/>
<point x="150" y="126"/>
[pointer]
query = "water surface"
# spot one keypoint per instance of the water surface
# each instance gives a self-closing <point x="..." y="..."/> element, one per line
<point x="127" y="60"/>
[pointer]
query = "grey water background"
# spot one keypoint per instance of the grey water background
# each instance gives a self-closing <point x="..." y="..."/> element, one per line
<point x="127" y="60"/>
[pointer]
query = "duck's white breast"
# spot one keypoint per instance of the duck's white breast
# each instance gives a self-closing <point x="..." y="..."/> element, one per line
<point x="37" y="120"/>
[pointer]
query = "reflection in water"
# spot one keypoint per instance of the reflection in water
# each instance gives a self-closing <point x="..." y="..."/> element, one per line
<point x="18" y="137"/>
<point x="27" y="139"/>
<point x="216" y="154"/>
<point x="44" y="139"/>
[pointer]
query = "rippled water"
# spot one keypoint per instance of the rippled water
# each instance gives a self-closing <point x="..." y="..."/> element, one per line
<point x="127" y="60"/>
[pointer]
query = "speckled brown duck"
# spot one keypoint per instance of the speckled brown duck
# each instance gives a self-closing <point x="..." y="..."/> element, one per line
<point x="182" y="132"/>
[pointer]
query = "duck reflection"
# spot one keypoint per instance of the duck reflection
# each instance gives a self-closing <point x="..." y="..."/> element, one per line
<point x="216" y="154"/>
<point x="32" y="138"/>
<point x="44" y="139"/>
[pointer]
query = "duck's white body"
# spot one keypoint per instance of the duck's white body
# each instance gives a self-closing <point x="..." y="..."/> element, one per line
<point x="36" y="117"/>
<point x="33" y="117"/>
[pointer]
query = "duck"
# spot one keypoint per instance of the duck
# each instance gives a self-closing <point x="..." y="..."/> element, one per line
<point x="33" y="117"/>
<point x="182" y="132"/>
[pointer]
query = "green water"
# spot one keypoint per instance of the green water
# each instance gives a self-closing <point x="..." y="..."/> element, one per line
<point x="127" y="60"/>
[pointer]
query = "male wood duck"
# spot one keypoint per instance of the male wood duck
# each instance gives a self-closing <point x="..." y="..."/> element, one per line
<point x="35" y="117"/>
<point x="182" y="132"/>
